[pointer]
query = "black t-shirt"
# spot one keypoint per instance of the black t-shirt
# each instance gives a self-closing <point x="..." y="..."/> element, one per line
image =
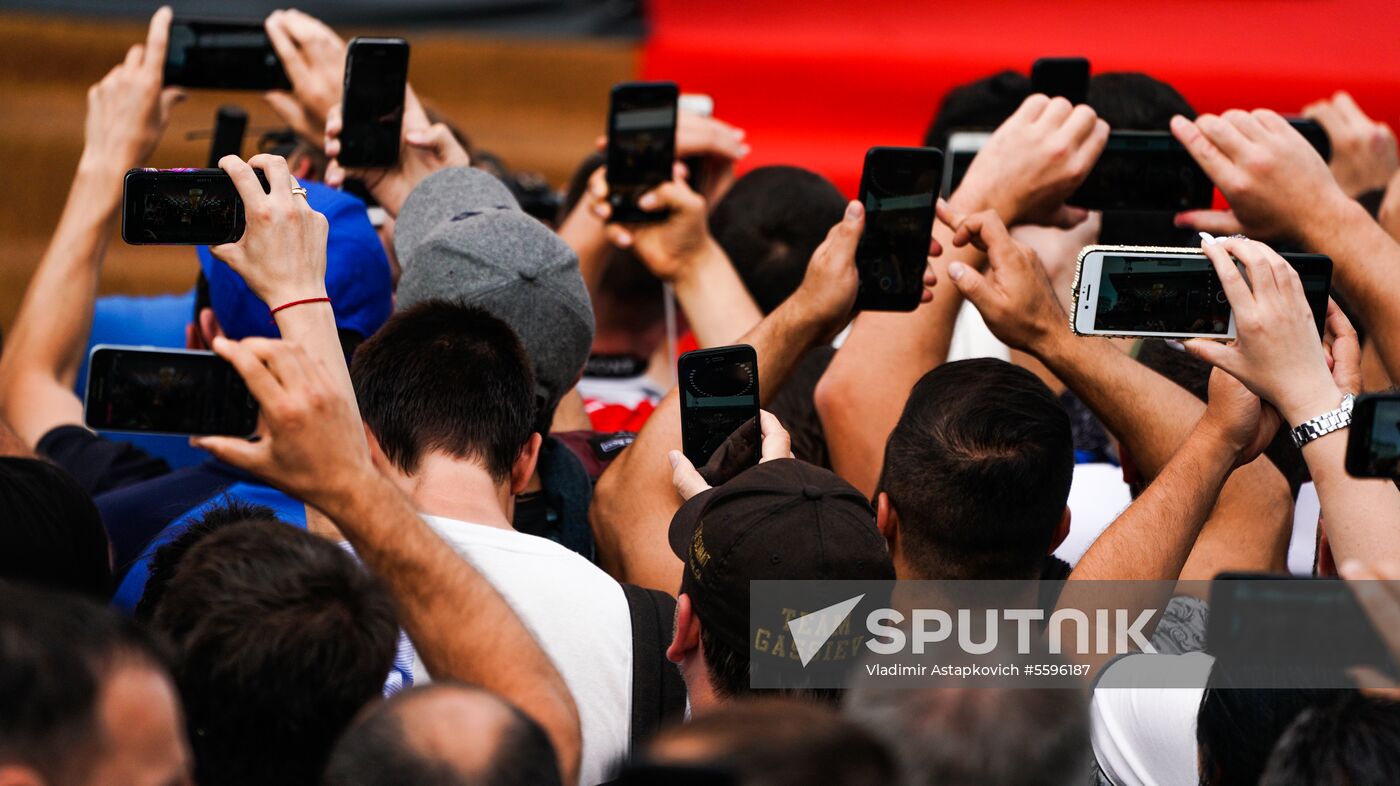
<point x="99" y="465"/>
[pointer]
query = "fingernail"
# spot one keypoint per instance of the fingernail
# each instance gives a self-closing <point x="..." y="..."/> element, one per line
<point x="956" y="270"/>
<point x="854" y="211"/>
<point x="675" y="458"/>
<point x="1208" y="239"/>
<point x="1176" y="345"/>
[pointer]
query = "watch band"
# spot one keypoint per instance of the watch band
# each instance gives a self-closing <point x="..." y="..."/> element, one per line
<point x="1324" y="424"/>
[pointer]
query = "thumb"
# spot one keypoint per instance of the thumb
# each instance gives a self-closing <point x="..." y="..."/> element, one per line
<point x="684" y="476"/>
<point x="1066" y="217"/>
<point x="241" y="453"/>
<point x="777" y="443"/>
<point x="845" y="235"/>
<point x="973" y="286"/>
<point x="1216" y="222"/>
<point x="434" y="139"/>
<point x="1213" y="352"/>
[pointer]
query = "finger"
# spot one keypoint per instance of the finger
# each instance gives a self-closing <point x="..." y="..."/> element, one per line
<point x="973" y="286"/>
<point x="1066" y="217"/>
<point x="279" y="178"/>
<point x="1224" y="135"/>
<point x="157" y="39"/>
<point x="169" y="97"/>
<point x="293" y="61"/>
<point x="1029" y="110"/>
<point x="1212" y="159"/>
<point x="1089" y="150"/>
<point x="1273" y="122"/>
<point x="601" y="142"/>
<point x="619" y="236"/>
<point x="986" y="232"/>
<point x="777" y="443"/>
<point x="1080" y="123"/>
<point x="135" y="57"/>
<point x="1213" y="222"/>
<point x="1348" y="108"/>
<point x="935" y="248"/>
<point x="684" y="476"/>
<point x="1325" y="114"/>
<point x="1221" y="356"/>
<point x="946" y="213"/>
<point x="1055" y="113"/>
<point x="245" y="181"/>
<point x="1236" y="290"/>
<point x="260" y="380"/>
<point x="1245" y="123"/>
<point x="236" y="452"/>
<point x="1262" y="280"/>
<point x="286" y="361"/>
<point x="335" y="174"/>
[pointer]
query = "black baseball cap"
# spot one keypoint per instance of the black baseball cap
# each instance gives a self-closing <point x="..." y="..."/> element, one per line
<point x="780" y="520"/>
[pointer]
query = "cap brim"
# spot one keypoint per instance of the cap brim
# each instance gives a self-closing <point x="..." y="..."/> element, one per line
<point x="685" y="521"/>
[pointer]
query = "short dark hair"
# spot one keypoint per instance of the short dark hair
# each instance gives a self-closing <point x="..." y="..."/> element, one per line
<point x="443" y="376"/>
<point x="375" y="751"/>
<point x="963" y="736"/>
<point x="280" y="637"/>
<point x="56" y="652"/>
<point x="777" y="742"/>
<point x="167" y="558"/>
<point x="1237" y="728"/>
<point x="1351" y="742"/>
<point x="1133" y="101"/>
<point x="982" y="104"/>
<point x="52" y="535"/>
<point x="978" y="469"/>
<point x="770" y="222"/>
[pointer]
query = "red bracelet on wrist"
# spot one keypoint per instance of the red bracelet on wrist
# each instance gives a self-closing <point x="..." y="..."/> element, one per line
<point x="301" y="302"/>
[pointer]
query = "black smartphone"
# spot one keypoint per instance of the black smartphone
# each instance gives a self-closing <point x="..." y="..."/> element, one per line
<point x="1373" y="442"/>
<point x="166" y="391"/>
<point x="898" y="187"/>
<point x="1289" y="627"/>
<point x="376" y="75"/>
<point x="182" y="207"/>
<point x="1171" y="292"/>
<point x="1315" y="134"/>
<point x="1144" y="170"/>
<point x="1061" y="76"/>
<point x="230" y="123"/>
<point x="222" y="55"/>
<point x="641" y="146"/>
<point x="720" y="432"/>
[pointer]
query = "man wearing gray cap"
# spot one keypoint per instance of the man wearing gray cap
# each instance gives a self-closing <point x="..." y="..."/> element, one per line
<point x="461" y="236"/>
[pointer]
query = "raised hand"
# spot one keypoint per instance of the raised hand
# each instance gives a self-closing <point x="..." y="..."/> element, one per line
<point x="313" y="56"/>
<point x="128" y="110"/>
<point x="1364" y="153"/>
<point x="1238" y="418"/>
<point x="1033" y="162"/>
<point x="777" y="444"/>
<point x="1014" y="294"/>
<point x="717" y="142"/>
<point x="669" y="247"/>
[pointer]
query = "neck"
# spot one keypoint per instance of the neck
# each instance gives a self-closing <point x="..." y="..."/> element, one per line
<point x="457" y="489"/>
<point x="698" y="687"/>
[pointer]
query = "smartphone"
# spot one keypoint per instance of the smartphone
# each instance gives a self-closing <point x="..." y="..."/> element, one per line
<point x="700" y="105"/>
<point x="1373" y="442"/>
<point x="1315" y="134"/>
<point x="962" y="148"/>
<point x="182" y="207"/>
<point x="1144" y="170"/>
<point x="898" y="187"/>
<point x="720" y="432"/>
<point x="641" y="145"/>
<point x="376" y="78"/>
<point x="1285" y="627"/>
<point x="1061" y="76"/>
<point x="1133" y="291"/>
<point x="222" y="55"/>
<point x="230" y="123"/>
<point x="166" y="391"/>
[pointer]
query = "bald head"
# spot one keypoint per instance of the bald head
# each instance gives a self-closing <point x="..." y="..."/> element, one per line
<point x="443" y="734"/>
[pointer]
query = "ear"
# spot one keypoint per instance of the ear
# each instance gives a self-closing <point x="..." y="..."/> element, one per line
<point x="687" y="635"/>
<point x="1061" y="532"/>
<point x="19" y="775"/>
<point x="209" y="327"/>
<point x="524" y="467"/>
<point x="301" y="169"/>
<point x="886" y="520"/>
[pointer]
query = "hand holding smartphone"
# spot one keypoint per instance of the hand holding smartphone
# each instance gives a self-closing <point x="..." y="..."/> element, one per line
<point x="185" y="207"/>
<point x="641" y="146"/>
<point x="899" y="188"/>
<point x="166" y="391"/>
<point x="720" y="431"/>
<point x="376" y="80"/>
<point x="222" y="55"/>
<point x="1144" y="170"/>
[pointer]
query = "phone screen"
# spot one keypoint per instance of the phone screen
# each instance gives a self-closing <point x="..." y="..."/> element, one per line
<point x="181" y="207"/>
<point x="1180" y="295"/>
<point x="641" y="145"/>
<point x="1144" y="170"/>
<point x="898" y="188"/>
<point x="719" y="409"/>
<point x="1373" y="445"/>
<point x="166" y="392"/>
<point x="222" y="55"/>
<point x="1061" y="76"/>
<point x="376" y="74"/>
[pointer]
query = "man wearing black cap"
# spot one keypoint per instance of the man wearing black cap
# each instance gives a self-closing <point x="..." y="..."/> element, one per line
<point x="782" y="520"/>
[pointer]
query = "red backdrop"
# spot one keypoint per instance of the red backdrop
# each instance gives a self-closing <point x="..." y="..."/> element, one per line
<point x="816" y="82"/>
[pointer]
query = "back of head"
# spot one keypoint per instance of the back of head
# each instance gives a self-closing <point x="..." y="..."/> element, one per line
<point x="443" y="734"/>
<point x="1237" y="728"/>
<point x="52" y="535"/>
<point x="1132" y="101"/>
<point x="1353" y="742"/>
<point x="776" y="742"/>
<point x="974" y="736"/>
<point x="770" y="222"/>
<point x="444" y="377"/>
<point x="978" y="470"/>
<point x="983" y="104"/>
<point x="56" y="652"/>
<point x="280" y="637"/>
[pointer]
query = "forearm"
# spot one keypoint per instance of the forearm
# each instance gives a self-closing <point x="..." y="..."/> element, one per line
<point x="1362" y="517"/>
<point x="1250" y="527"/>
<point x="715" y="301"/>
<point x="460" y="625"/>
<point x="311" y="326"/>
<point x="45" y="347"/>
<point x="585" y="233"/>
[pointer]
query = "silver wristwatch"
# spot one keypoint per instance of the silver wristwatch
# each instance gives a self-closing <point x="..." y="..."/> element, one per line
<point x="1324" y="424"/>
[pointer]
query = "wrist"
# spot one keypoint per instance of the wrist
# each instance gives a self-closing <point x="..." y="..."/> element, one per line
<point x="692" y="265"/>
<point x="1320" y="399"/>
<point x="1331" y="218"/>
<point x="1213" y="442"/>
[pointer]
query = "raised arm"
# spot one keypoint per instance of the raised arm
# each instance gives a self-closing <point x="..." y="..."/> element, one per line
<point x="1026" y="170"/>
<point x="312" y="446"/>
<point x="1364" y="153"/>
<point x="313" y="56"/>
<point x="634" y="500"/>
<point x="1278" y="356"/>
<point x="127" y="113"/>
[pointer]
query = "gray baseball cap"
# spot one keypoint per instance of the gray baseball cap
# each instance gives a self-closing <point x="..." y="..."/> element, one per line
<point x="461" y="236"/>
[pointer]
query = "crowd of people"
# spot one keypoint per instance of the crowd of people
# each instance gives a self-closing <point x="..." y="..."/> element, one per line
<point x="460" y="548"/>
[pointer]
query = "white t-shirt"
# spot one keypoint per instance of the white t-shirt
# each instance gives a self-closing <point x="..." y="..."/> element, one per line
<point x="580" y="618"/>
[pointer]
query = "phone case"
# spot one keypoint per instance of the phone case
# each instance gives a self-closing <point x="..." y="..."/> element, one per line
<point x="1079" y="268"/>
